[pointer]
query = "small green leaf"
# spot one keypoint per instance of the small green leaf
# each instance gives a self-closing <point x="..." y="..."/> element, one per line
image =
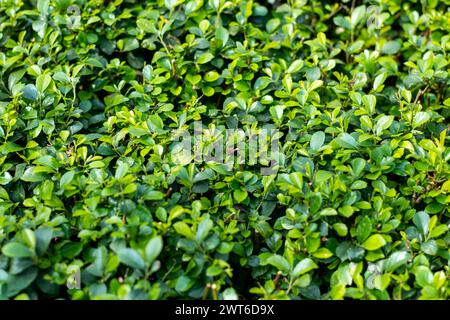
<point x="396" y="260"/>
<point x="374" y="242"/>
<point x="421" y="219"/>
<point x="328" y="212"/>
<point x="205" y="58"/>
<point x="347" y="141"/>
<point x="203" y="229"/>
<point x="131" y="258"/>
<point x="379" y="80"/>
<point x="424" y="276"/>
<point x="153" y="249"/>
<point x="42" y="6"/>
<point x="43" y="238"/>
<point x="420" y="118"/>
<point x="30" y="92"/>
<point x="391" y="47"/>
<point x="16" y="250"/>
<point x="153" y="195"/>
<point x="183" y="284"/>
<point x="130" y="44"/>
<point x="211" y="76"/>
<point x="183" y="229"/>
<point x="222" y="36"/>
<point x="364" y="229"/>
<point x="295" y="66"/>
<point x="146" y="25"/>
<point x="303" y="267"/>
<point x="317" y="140"/>
<point x="42" y="82"/>
<point x="121" y="170"/>
<point x="322" y="253"/>
<point x="9" y="147"/>
<point x="341" y="229"/>
<point x="155" y="123"/>
<point x="279" y="262"/>
<point x="240" y="195"/>
<point x="357" y="15"/>
<point x="382" y="124"/>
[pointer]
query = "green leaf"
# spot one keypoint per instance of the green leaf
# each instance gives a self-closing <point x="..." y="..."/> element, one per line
<point x="341" y="229"/>
<point x="183" y="229"/>
<point x="230" y="294"/>
<point x="369" y="101"/>
<point x="18" y="282"/>
<point x="391" y="47"/>
<point x="328" y="212"/>
<point x="71" y="249"/>
<point x="222" y="35"/>
<point x="146" y="25"/>
<point x="16" y="250"/>
<point x="424" y="277"/>
<point x="155" y="123"/>
<point x="3" y="276"/>
<point x="183" y="284"/>
<point x="322" y="253"/>
<point x="43" y="238"/>
<point x="262" y="83"/>
<point x="62" y="77"/>
<point x="279" y="262"/>
<point x="240" y="195"/>
<point x="66" y="179"/>
<point x="347" y="141"/>
<point x="379" y="80"/>
<point x="131" y="258"/>
<point x="97" y="268"/>
<point x="153" y="249"/>
<point x="438" y="231"/>
<point x="115" y="99"/>
<point x="422" y="220"/>
<point x="317" y="140"/>
<point x="364" y="229"/>
<point x="420" y="118"/>
<point x="303" y="267"/>
<point x="9" y="147"/>
<point x="42" y="82"/>
<point x="211" y="76"/>
<point x="396" y="260"/>
<point x="382" y="124"/>
<point x="42" y="6"/>
<point x="30" y="92"/>
<point x="171" y="4"/>
<point x="32" y="175"/>
<point x="374" y="242"/>
<point x="337" y="291"/>
<point x="358" y="166"/>
<point x="357" y="15"/>
<point x="295" y="66"/>
<point x="272" y="25"/>
<point x="121" y="170"/>
<point x="153" y="195"/>
<point x="313" y="75"/>
<point x="130" y="44"/>
<point x="203" y="229"/>
<point x="205" y="58"/>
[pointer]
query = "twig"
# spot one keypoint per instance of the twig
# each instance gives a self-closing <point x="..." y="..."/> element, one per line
<point x="420" y="93"/>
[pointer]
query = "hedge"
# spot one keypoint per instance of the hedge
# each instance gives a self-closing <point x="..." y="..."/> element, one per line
<point x="98" y="200"/>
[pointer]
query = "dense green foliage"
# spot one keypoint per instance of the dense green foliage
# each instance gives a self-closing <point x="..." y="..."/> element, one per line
<point x="91" y="91"/>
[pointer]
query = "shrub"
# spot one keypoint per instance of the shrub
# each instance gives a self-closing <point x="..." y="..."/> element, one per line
<point x="98" y="201"/>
